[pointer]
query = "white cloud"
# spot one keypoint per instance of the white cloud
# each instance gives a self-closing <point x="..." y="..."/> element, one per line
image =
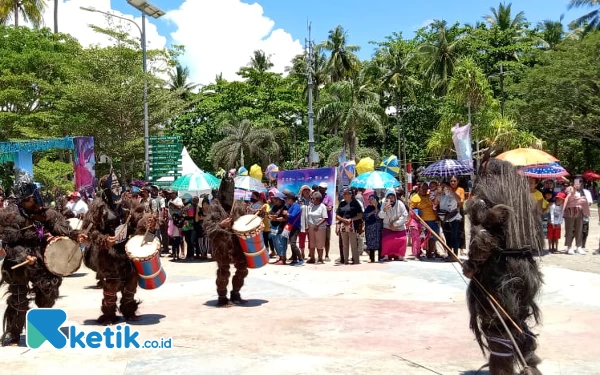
<point x="220" y="37"/>
<point x="75" y="21"/>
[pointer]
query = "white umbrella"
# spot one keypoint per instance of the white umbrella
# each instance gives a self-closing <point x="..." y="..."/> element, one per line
<point x="249" y="183"/>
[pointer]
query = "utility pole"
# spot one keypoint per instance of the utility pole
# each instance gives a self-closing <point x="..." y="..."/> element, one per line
<point x="311" y="114"/>
<point x="502" y="90"/>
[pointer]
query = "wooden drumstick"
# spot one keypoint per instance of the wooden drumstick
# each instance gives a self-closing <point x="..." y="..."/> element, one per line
<point x="20" y="264"/>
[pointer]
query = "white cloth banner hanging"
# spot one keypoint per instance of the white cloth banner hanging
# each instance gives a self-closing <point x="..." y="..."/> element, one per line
<point x="461" y="136"/>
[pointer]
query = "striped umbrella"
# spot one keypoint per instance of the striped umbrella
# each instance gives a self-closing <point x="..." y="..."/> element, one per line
<point x="446" y="168"/>
<point x="271" y="172"/>
<point x="347" y="172"/>
<point x="551" y="170"/>
<point x="390" y="165"/>
<point x="375" y="180"/>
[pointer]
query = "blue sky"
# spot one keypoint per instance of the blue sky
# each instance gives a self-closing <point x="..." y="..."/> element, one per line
<point x="374" y="19"/>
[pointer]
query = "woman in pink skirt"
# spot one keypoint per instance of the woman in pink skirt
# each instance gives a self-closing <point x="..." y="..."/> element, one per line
<point x="393" y="239"/>
<point x="415" y="228"/>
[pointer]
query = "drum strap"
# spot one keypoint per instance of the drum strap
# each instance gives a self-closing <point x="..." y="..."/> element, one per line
<point x="151" y="276"/>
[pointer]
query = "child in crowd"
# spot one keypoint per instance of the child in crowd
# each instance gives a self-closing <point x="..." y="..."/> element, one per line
<point x="548" y="195"/>
<point x="555" y="222"/>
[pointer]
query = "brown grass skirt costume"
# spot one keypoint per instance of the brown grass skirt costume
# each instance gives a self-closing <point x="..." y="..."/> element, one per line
<point x="225" y="244"/>
<point x="505" y="235"/>
<point x="115" y="272"/>
<point x="26" y="234"/>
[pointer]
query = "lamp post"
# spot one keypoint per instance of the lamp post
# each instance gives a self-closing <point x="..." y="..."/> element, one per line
<point x="147" y="9"/>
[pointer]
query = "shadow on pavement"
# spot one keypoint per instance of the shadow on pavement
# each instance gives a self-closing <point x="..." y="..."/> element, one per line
<point x="145" y="320"/>
<point x="78" y="274"/>
<point x="475" y="372"/>
<point x="250" y="303"/>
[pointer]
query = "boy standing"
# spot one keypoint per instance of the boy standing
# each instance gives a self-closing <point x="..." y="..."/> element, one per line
<point x="555" y="222"/>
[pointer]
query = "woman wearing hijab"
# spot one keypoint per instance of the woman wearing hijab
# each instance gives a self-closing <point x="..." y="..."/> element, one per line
<point x="373" y="225"/>
<point x="394" y="215"/>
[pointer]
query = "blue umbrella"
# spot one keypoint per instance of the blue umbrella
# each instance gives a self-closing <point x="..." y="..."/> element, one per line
<point x="446" y="168"/>
<point x="551" y="170"/>
<point x="375" y="180"/>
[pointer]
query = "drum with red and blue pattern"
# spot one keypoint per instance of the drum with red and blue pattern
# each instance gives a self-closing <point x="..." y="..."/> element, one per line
<point x="152" y="275"/>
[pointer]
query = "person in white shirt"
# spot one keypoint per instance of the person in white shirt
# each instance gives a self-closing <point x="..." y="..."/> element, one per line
<point x="393" y="238"/>
<point x="586" y="219"/>
<point x="555" y="222"/>
<point x="450" y="217"/>
<point x="316" y="225"/>
<point x="79" y="207"/>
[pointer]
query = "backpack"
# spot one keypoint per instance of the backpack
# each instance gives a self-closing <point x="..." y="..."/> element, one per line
<point x="178" y="220"/>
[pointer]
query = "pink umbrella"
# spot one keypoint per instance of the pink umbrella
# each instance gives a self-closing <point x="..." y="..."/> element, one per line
<point x="367" y="194"/>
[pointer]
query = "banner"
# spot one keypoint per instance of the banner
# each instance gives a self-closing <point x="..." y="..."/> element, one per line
<point x="461" y="136"/>
<point x="293" y="180"/>
<point x="84" y="165"/>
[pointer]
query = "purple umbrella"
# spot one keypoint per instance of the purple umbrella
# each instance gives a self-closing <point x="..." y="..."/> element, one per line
<point x="447" y="168"/>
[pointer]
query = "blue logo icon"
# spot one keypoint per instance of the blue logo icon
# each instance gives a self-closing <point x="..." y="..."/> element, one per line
<point x="45" y="325"/>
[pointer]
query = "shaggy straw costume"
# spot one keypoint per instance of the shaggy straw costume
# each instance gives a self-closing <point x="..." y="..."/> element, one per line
<point x="225" y="244"/>
<point x="505" y="235"/>
<point x="24" y="230"/>
<point x="114" y="270"/>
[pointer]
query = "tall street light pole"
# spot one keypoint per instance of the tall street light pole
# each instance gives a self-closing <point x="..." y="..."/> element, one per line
<point x="152" y="11"/>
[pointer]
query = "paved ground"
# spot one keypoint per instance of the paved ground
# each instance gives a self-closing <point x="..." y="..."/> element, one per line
<point x="393" y="318"/>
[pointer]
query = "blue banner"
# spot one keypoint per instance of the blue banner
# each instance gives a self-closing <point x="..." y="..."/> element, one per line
<point x="293" y="180"/>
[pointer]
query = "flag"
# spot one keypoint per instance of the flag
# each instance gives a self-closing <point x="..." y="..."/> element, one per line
<point x="461" y="136"/>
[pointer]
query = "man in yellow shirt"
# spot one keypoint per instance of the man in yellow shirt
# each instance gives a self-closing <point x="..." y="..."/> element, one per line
<point x="537" y="195"/>
<point x="421" y="202"/>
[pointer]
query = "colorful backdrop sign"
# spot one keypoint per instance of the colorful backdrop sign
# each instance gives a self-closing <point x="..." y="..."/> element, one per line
<point x="293" y="180"/>
<point x="84" y="164"/>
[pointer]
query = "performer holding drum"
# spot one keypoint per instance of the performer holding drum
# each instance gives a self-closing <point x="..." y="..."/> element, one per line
<point x="28" y="230"/>
<point x="113" y="222"/>
<point x="224" y="211"/>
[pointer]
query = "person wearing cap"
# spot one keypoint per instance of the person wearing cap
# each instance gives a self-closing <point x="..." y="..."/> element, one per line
<point x="328" y="202"/>
<point x="393" y="237"/>
<point x="278" y="220"/>
<point x="349" y="215"/>
<point x="294" y="214"/>
<point x="555" y="221"/>
<point x="80" y="208"/>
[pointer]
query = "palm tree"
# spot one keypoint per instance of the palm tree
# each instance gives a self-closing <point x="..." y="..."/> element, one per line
<point x="243" y="140"/>
<point x="29" y="10"/>
<point x="354" y="107"/>
<point x="589" y="21"/>
<point x="260" y="61"/>
<point x="502" y="18"/>
<point x="440" y="56"/>
<point x="342" y="61"/>
<point x="179" y="81"/>
<point x="552" y="32"/>
<point x="298" y="72"/>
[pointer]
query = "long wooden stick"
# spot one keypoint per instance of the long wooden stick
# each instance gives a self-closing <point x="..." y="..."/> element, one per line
<point x="490" y="297"/>
<point x="19" y="265"/>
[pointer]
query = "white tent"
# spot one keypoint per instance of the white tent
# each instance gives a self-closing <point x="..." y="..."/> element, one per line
<point x="187" y="166"/>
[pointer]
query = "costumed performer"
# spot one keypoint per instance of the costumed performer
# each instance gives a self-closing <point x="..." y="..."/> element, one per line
<point x="105" y="247"/>
<point x="506" y="233"/>
<point x="224" y="211"/>
<point x="25" y="228"/>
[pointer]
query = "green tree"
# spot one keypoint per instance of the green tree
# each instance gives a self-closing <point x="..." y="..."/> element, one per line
<point x="243" y="141"/>
<point x="51" y="173"/>
<point x="552" y="32"/>
<point x="589" y="21"/>
<point x="179" y="81"/>
<point x="353" y="107"/>
<point x="502" y="18"/>
<point x="31" y="11"/>
<point x="342" y="61"/>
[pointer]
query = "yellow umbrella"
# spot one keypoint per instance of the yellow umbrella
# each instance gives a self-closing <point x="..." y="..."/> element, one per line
<point x="256" y="172"/>
<point x="365" y="165"/>
<point x="527" y="156"/>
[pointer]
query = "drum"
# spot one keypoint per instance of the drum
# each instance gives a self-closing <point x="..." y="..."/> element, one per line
<point x="248" y="229"/>
<point x="2" y="254"/>
<point x="146" y="259"/>
<point x="75" y="223"/>
<point x="63" y="256"/>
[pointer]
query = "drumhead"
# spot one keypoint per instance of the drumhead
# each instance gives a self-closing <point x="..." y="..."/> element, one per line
<point x="75" y="223"/>
<point x="63" y="256"/>
<point x="246" y="223"/>
<point x="135" y="249"/>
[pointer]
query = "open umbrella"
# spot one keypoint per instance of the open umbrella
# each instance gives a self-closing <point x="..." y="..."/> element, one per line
<point x="375" y="180"/>
<point x="249" y="183"/>
<point x="271" y="172"/>
<point x="446" y="168"/>
<point x="365" y="165"/>
<point x="522" y="157"/>
<point x="242" y="171"/>
<point x="552" y="170"/>
<point x="390" y="165"/>
<point x="591" y="175"/>
<point x="347" y="171"/>
<point x="196" y="182"/>
<point x="256" y="172"/>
